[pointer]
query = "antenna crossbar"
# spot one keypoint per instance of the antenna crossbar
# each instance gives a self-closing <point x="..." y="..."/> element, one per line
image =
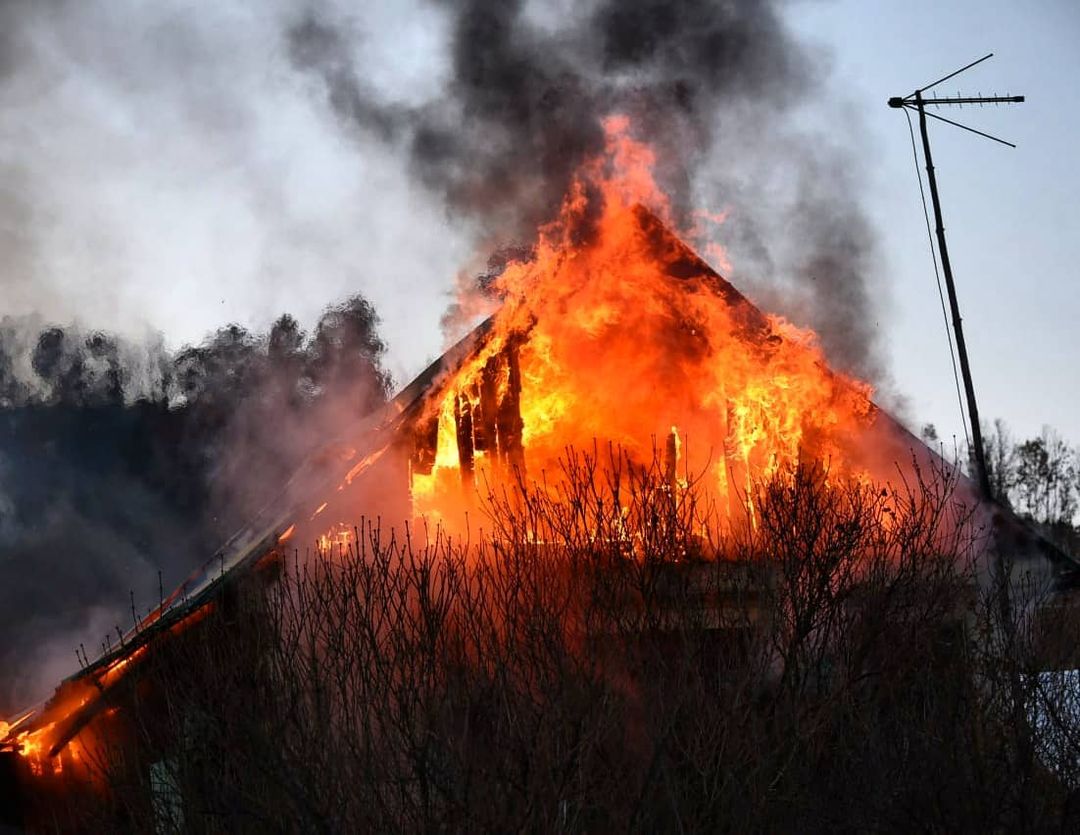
<point x="954" y="74"/>
<point x="963" y="127"/>
<point x="904" y="101"/>
<point x="974" y="100"/>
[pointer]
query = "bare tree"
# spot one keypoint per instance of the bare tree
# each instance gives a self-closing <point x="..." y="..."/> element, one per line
<point x="1001" y="461"/>
<point x="605" y="655"/>
<point x="1046" y="472"/>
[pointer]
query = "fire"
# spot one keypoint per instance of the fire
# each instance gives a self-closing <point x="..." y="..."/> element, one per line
<point x="44" y="742"/>
<point x="338" y="539"/>
<point x="613" y="331"/>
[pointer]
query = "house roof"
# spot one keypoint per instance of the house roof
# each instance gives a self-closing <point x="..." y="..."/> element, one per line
<point x="86" y="692"/>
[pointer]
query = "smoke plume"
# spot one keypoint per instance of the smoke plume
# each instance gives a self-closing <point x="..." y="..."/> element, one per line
<point x="123" y="467"/>
<point x="168" y="166"/>
<point x="716" y="87"/>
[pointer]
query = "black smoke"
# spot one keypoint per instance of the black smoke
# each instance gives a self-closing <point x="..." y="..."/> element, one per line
<point x="714" y="85"/>
<point x="522" y="109"/>
<point x="118" y="458"/>
<point x="120" y="461"/>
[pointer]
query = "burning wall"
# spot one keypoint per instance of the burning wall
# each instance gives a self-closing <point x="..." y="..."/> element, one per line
<point x="614" y="331"/>
<point x="611" y="331"/>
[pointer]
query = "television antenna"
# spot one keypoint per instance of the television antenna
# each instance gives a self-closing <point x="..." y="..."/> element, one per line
<point x="918" y="103"/>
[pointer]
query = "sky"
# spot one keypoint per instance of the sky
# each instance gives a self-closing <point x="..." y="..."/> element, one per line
<point x="164" y="169"/>
<point x="1012" y="217"/>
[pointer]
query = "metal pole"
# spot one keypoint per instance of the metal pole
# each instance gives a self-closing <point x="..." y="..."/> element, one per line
<point x="981" y="475"/>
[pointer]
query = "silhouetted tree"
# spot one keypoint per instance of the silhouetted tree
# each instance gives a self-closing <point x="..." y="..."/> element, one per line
<point x="1045" y="476"/>
<point x="344" y="352"/>
<point x="1000" y="461"/>
<point x="137" y="458"/>
<point x="1038" y="477"/>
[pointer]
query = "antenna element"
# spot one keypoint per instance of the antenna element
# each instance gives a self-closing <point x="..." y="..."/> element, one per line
<point x="918" y="103"/>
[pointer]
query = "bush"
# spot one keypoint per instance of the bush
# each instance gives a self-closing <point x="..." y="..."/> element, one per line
<point x="604" y="657"/>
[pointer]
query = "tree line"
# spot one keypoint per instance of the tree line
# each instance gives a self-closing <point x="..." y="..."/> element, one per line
<point x="121" y="459"/>
<point x="1037" y="477"/>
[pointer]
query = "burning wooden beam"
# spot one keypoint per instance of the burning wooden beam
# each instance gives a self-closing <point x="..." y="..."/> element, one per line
<point x="509" y="424"/>
<point x="464" y="425"/>
<point x="484" y="428"/>
<point x="425" y="445"/>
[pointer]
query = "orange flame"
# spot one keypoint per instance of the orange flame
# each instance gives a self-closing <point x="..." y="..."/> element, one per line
<point x="612" y="331"/>
<point x="616" y="332"/>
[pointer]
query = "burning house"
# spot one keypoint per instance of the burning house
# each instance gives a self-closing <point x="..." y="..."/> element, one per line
<point x="611" y="334"/>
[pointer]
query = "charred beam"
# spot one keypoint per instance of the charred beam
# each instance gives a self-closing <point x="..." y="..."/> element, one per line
<point x="485" y="417"/>
<point x="463" y="422"/>
<point x="425" y="445"/>
<point x="671" y="460"/>
<point x="510" y="426"/>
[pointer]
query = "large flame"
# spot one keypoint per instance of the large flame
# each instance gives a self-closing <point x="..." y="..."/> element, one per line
<point x="613" y="331"/>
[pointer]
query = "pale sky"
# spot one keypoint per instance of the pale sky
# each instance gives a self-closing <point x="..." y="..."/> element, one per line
<point x="1012" y="217"/>
<point x="191" y="178"/>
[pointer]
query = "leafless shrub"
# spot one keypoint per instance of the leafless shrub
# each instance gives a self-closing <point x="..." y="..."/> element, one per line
<point x="607" y="657"/>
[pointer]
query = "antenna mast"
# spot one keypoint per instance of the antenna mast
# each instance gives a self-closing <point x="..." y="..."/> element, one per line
<point x="918" y="102"/>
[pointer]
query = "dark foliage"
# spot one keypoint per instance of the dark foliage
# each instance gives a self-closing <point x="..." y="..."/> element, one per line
<point x="117" y="463"/>
<point x="1039" y="478"/>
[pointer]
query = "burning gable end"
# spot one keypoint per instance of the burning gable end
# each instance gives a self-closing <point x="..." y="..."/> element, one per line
<point x="612" y="333"/>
